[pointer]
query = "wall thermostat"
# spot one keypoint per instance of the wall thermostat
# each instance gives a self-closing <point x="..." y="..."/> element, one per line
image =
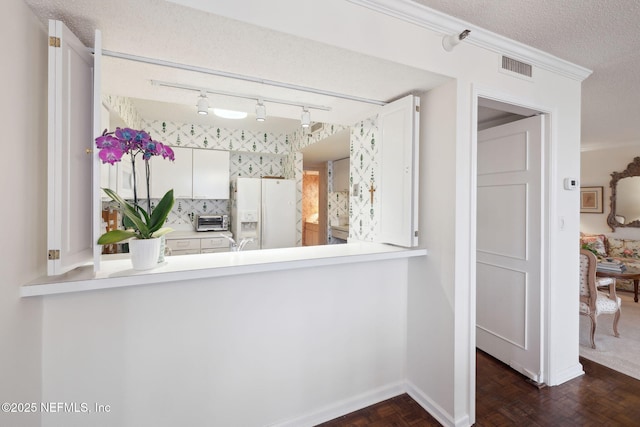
<point x="571" y="184"/>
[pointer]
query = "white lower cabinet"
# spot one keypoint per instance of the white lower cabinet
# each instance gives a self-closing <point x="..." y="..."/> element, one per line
<point x="195" y="243"/>
<point x="183" y="244"/>
<point x="185" y="252"/>
<point x="214" y="243"/>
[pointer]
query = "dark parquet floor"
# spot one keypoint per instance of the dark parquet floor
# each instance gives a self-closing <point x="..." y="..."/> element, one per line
<point x="601" y="397"/>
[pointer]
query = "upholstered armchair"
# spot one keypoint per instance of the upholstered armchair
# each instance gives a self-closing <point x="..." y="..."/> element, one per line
<point x="592" y="301"/>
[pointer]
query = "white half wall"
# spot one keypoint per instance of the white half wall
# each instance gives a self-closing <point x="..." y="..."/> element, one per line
<point x="23" y="118"/>
<point x="287" y="348"/>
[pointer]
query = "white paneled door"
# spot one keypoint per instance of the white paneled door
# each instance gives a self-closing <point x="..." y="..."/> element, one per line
<point x="508" y="270"/>
<point x="70" y="159"/>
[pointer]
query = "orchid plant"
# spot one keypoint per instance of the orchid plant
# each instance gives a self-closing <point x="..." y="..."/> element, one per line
<point x="140" y="223"/>
<point x="114" y="145"/>
<point x="144" y="225"/>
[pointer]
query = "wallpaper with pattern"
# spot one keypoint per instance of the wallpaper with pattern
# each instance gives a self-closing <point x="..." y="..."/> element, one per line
<point x="257" y="154"/>
<point x="125" y="109"/>
<point x="364" y="171"/>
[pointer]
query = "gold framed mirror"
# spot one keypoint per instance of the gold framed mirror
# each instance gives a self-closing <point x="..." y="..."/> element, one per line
<point x="625" y="197"/>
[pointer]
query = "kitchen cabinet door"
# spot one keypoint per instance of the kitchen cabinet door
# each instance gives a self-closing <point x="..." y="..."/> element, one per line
<point x="166" y="175"/>
<point x="210" y="174"/>
<point x="341" y="175"/>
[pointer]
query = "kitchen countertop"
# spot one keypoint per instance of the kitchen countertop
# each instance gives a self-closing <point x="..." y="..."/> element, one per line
<point x="192" y="234"/>
<point x="118" y="273"/>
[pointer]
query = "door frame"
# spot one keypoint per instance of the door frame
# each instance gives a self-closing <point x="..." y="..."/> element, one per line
<point x="548" y="173"/>
<point x="323" y="226"/>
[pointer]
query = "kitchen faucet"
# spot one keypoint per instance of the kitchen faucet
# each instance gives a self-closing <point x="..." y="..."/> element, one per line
<point x="237" y="247"/>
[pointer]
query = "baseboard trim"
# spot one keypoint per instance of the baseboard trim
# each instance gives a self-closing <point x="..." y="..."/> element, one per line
<point x="433" y="408"/>
<point x="568" y="374"/>
<point x="345" y="406"/>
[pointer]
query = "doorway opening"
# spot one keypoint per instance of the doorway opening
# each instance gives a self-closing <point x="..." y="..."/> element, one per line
<point x="510" y="228"/>
<point x="314" y="206"/>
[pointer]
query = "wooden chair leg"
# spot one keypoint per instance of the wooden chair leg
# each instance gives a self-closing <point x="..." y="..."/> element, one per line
<point x="615" y="323"/>
<point x="593" y="330"/>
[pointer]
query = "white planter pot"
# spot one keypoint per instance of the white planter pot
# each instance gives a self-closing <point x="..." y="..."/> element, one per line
<point x="144" y="253"/>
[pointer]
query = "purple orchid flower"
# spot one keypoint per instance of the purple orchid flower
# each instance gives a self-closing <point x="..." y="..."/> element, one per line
<point x="114" y="145"/>
<point x="107" y="141"/>
<point x="110" y="155"/>
<point x="167" y="153"/>
<point x="142" y="136"/>
<point x="126" y="134"/>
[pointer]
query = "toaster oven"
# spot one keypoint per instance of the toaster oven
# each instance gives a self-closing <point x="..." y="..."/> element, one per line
<point x="212" y="223"/>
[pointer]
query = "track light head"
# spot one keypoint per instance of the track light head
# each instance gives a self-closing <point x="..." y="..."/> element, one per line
<point x="305" y="118"/>
<point x="203" y="104"/>
<point x="261" y="111"/>
<point x="451" y="41"/>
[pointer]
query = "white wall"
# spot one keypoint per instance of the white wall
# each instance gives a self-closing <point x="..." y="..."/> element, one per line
<point x="23" y="168"/>
<point x="239" y="351"/>
<point x="595" y="171"/>
<point x="430" y="295"/>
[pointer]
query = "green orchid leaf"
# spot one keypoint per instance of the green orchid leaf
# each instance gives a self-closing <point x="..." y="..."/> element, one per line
<point x="161" y="212"/>
<point x="162" y="231"/>
<point x="115" y="236"/>
<point x="129" y="211"/>
<point x="144" y="226"/>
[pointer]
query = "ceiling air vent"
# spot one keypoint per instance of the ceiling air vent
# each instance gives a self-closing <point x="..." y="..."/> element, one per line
<point x="516" y="66"/>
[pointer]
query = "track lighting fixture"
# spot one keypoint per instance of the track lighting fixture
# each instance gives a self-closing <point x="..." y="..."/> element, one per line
<point x="203" y="104"/>
<point x="305" y="118"/>
<point x="261" y="111"/>
<point x="450" y="41"/>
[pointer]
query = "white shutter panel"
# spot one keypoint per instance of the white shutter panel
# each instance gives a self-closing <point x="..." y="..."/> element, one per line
<point x="399" y="124"/>
<point x="70" y="219"/>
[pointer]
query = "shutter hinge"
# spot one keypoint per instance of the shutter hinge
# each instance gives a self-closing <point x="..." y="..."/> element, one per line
<point x="415" y="233"/>
<point x="54" y="41"/>
<point x="54" y="254"/>
<point x="417" y="108"/>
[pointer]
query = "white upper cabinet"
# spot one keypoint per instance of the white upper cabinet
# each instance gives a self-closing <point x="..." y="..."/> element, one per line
<point x="399" y="126"/>
<point x="176" y="175"/>
<point x="210" y="174"/>
<point x="341" y="175"/>
<point x="195" y="174"/>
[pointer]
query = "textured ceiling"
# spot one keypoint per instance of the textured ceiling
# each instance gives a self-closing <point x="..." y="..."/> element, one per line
<point x="601" y="35"/>
<point x="167" y="31"/>
<point x="598" y="34"/>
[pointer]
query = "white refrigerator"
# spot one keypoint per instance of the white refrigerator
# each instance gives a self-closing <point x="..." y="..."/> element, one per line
<point x="264" y="209"/>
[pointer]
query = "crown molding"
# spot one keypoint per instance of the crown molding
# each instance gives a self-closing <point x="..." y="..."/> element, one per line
<point x="425" y="17"/>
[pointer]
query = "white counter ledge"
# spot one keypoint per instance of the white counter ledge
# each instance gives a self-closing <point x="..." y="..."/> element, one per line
<point x="118" y="273"/>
